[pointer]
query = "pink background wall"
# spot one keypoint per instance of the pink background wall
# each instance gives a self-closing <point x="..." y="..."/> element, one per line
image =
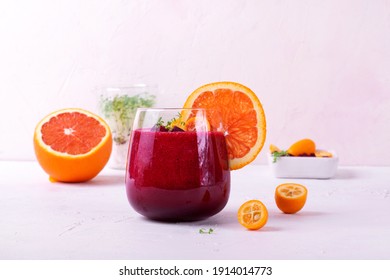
<point x="320" y="68"/>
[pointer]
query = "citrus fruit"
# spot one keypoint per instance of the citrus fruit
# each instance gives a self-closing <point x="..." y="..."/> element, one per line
<point x="242" y="116"/>
<point x="302" y="147"/>
<point x="72" y="145"/>
<point x="273" y="149"/>
<point x="290" y="197"/>
<point x="197" y="124"/>
<point x="322" y="153"/>
<point x="252" y="214"/>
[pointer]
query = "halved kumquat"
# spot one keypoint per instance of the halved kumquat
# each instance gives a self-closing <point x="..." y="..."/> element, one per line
<point x="252" y="214"/>
<point x="273" y="148"/>
<point x="304" y="147"/>
<point x="290" y="197"/>
<point x="323" y="154"/>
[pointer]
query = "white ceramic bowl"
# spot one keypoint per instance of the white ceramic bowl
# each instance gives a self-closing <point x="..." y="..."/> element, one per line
<point x="304" y="167"/>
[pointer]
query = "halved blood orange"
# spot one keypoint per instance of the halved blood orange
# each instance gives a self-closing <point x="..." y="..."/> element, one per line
<point x="252" y="214"/>
<point x="72" y="145"/>
<point x="290" y="197"/>
<point x="242" y="115"/>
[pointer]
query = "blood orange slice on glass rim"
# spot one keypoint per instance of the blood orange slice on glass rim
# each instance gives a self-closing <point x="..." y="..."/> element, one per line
<point x="242" y="114"/>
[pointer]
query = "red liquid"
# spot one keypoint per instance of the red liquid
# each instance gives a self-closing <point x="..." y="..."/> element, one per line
<point x="178" y="176"/>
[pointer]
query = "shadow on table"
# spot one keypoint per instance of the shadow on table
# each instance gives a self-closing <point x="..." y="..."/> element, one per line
<point x="284" y="220"/>
<point x="108" y="181"/>
<point x="222" y="218"/>
<point x="305" y="213"/>
<point x="100" y="181"/>
<point x="276" y="214"/>
<point x="228" y="219"/>
<point x="345" y="174"/>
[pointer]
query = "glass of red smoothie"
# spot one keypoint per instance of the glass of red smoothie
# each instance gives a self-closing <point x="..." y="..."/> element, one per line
<point x="177" y="166"/>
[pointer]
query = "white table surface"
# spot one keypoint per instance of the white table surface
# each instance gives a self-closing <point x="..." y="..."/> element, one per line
<point x="346" y="217"/>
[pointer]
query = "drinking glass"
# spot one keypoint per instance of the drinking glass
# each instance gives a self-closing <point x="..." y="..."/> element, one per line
<point x="178" y="167"/>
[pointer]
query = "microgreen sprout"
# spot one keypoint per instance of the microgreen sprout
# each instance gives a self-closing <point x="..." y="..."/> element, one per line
<point x="276" y="155"/>
<point x="119" y="111"/>
<point x="160" y="122"/>
<point x="204" y="231"/>
<point x="175" y="121"/>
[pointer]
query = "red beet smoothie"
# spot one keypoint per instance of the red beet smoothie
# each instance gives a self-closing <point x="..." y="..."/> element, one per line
<point x="178" y="176"/>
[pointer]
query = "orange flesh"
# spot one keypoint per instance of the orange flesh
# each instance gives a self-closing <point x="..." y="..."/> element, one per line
<point x="72" y="145"/>
<point x="290" y="192"/>
<point x="240" y="121"/>
<point x="253" y="215"/>
<point x="302" y="147"/>
<point x="320" y="153"/>
<point x="273" y="148"/>
<point x="195" y="123"/>
<point x="72" y="133"/>
<point x="290" y="197"/>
